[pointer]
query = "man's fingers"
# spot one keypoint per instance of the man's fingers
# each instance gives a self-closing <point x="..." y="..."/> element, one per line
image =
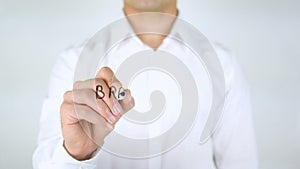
<point x="104" y="76"/>
<point x="107" y="112"/>
<point x="79" y="112"/>
<point x="107" y="88"/>
<point x="89" y="84"/>
<point x="128" y="102"/>
<point x="82" y="96"/>
<point x="87" y="97"/>
<point x="109" y="77"/>
<point x="102" y="92"/>
<point x="88" y="116"/>
<point x="84" y="112"/>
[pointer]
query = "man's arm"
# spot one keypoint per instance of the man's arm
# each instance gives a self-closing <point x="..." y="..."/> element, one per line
<point x="51" y="152"/>
<point x="234" y="140"/>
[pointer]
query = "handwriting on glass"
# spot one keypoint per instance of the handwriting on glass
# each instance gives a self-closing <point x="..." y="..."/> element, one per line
<point x="119" y="94"/>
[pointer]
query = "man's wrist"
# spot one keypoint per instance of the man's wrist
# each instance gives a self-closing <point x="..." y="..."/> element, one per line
<point x="80" y="155"/>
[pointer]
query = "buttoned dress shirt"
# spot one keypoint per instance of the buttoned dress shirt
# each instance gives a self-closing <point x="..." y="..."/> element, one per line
<point x="232" y="145"/>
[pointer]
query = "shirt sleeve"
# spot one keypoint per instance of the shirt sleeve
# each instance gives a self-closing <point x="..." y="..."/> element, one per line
<point x="234" y="141"/>
<point x="50" y="152"/>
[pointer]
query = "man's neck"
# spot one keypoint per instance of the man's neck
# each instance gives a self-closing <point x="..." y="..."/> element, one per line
<point x="170" y="9"/>
<point x="161" y="21"/>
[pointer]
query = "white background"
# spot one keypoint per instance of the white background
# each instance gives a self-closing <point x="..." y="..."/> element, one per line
<point x="264" y="34"/>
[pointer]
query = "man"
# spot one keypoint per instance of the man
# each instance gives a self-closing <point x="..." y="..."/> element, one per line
<point x="232" y="146"/>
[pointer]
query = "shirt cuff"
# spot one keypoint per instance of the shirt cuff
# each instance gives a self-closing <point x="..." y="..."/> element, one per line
<point x="62" y="158"/>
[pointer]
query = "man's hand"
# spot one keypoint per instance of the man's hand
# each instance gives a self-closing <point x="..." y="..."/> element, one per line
<point x="87" y="120"/>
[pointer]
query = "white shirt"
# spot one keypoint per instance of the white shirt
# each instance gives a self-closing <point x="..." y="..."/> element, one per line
<point x="232" y="146"/>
